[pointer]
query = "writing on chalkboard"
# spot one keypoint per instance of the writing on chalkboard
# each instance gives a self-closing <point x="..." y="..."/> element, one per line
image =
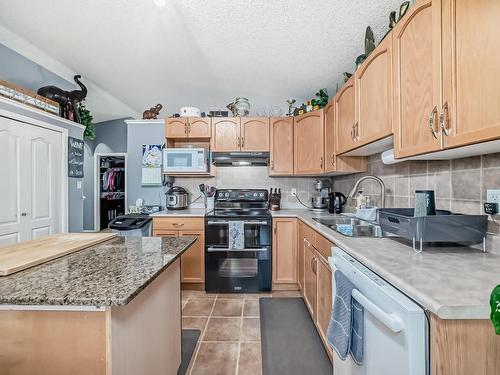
<point x="75" y="157"/>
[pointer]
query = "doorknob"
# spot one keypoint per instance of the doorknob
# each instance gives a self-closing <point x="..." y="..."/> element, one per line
<point x="24" y="214"/>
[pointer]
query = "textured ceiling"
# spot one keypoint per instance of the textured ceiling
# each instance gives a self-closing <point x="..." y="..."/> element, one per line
<point x="202" y="53"/>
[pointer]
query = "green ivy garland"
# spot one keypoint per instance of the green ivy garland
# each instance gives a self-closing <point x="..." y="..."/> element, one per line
<point x="86" y="120"/>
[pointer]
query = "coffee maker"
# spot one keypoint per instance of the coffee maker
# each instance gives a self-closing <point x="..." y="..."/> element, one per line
<point x="320" y="200"/>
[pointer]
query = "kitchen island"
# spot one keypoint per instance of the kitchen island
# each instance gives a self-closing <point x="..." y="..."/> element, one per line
<point x="113" y="308"/>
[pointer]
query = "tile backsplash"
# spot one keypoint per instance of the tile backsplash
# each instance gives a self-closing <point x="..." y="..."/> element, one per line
<point x="459" y="185"/>
<point x="253" y="178"/>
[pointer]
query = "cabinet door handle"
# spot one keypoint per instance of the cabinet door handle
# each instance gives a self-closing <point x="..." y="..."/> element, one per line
<point x="186" y="128"/>
<point x="272" y="165"/>
<point x="312" y="264"/>
<point x="178" y="225"/>
<point x="444" y="119"/>
<point x="239" y="141"/>
<point x="356" y="131"/>
<point x="321" y="162"/>
<point x="432" y="117"/>
<point x="275" y="229"/>
<point x="242" y="141"/>
<point x="333" y="160"/>
<point x="352" y="133"/>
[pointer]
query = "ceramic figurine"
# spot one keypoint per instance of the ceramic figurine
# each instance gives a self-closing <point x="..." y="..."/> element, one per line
<point x="403" y="9"/>
<point x="347" y="76"/>
<point x="291" y="108"/>
<point x="152" y="113"/>
<point x="68" y="100"/>
<point x="369" y="41"/>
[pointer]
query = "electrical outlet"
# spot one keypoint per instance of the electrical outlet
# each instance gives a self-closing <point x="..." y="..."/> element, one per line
<point x="493" y="196"/>
<point x="293" y="192"/>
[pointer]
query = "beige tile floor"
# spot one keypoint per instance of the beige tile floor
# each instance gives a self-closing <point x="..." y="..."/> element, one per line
<point x="229" y="343"/>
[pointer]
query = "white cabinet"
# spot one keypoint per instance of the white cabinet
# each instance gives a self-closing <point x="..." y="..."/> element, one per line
<point x="31" y="181"/>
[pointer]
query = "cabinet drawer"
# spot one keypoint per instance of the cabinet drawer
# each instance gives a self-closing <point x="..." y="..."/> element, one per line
<point x="178" y="223"/>
<point x="323" y="246"/>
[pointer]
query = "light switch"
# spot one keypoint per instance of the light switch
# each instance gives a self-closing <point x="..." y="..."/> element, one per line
<point x="79" y="185"/>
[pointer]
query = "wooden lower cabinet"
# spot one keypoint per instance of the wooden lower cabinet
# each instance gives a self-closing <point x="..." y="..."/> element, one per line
<point x="300" y="255"/>
<point x="463" y="347"/>
<point x="284" y="251"/>
<point x="193" y="260"/>
<point x="323" y="299"/>
<point x="310" y="282"/>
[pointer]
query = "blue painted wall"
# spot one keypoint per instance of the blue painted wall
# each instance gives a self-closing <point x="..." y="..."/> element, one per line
<point x="26" y="73"/>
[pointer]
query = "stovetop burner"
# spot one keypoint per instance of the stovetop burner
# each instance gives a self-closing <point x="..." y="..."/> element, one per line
<point x="240" y="203"/>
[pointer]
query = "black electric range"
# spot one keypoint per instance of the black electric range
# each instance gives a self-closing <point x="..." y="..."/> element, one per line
<point x="238" y="242"/>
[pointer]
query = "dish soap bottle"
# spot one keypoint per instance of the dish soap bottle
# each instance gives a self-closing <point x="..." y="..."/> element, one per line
<point x="495" y="308"/>
<point x="360" y="199"/>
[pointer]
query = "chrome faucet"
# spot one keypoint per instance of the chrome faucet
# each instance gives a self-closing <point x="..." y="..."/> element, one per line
<point x="375" y="178"/>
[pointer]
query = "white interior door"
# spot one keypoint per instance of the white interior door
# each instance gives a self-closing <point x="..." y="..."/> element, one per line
<point x="30" y="192"/>
<point x="10" y="187"/>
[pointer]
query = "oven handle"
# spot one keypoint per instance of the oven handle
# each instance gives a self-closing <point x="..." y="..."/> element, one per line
<point x="220" y="222"/>
<point x="389" y="320"/>
<point x="222" y="249"/>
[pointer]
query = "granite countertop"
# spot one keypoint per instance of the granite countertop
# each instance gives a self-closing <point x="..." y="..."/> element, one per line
<point x="108" y="274"/>
<point x="453" y="283"/>
<point x="188" y="212"/>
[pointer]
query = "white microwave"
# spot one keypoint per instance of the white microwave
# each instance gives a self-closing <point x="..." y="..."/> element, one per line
<point x="185" y="160"/>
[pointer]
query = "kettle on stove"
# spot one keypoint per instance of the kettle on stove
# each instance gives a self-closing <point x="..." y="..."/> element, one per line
<point x="336" y="202"/>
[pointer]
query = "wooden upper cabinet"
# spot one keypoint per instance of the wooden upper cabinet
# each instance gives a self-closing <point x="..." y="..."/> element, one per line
<point x="417" y="79"/>
<point x="176" y="127"/>
<point x="373" y="81"/>
<point x="329" y="113"/>
<point x="471" y="71"/>
<point x="281" y="142"/>
<point x="187" y="127"/>
<point x="285" y="251"/>
<point x="199" y="127"/>
<point x="255" y="134"/>
<point x="345" y="117"/>
<point x="226" y="134"/>
<point x="308" y="143"/>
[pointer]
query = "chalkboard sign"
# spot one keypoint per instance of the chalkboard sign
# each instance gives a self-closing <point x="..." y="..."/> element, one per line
<point x="75" y="157"/>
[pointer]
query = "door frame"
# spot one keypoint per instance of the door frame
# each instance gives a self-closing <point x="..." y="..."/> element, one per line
<point x="97" y="195"/>
<point x="64" y="223"/>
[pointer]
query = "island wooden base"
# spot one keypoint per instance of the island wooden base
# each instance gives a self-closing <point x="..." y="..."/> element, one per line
<point x="143" y="337"/>
<point x="464" y="347"/>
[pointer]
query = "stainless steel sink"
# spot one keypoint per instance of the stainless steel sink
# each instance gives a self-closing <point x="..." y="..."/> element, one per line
<point x="351" y="227"/>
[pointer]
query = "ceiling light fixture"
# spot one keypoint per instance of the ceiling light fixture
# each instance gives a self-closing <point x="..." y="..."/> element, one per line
<point x="159" y="3"/>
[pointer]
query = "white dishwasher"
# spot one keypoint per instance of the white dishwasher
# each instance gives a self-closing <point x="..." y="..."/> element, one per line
<point x="396" y="328"/>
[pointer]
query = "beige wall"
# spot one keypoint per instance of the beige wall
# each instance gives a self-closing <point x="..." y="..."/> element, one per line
<point x="459" y="185"/>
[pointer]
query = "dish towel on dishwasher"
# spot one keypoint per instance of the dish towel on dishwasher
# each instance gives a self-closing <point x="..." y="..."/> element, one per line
<point x="236" y="235"/>
<point x="345" y="331"/>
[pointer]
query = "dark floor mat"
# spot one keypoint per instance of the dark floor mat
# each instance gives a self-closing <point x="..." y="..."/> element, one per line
<point x="189" y="340"/>
<point x="290" y="343"/>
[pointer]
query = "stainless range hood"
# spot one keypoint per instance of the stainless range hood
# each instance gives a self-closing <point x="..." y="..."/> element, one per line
<point x="240" y="159"/>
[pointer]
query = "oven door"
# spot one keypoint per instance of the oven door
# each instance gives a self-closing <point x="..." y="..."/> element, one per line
<point x="247" y="270"/>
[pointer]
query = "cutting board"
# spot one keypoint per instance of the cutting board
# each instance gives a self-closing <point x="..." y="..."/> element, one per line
<point x="14" y="258"/>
